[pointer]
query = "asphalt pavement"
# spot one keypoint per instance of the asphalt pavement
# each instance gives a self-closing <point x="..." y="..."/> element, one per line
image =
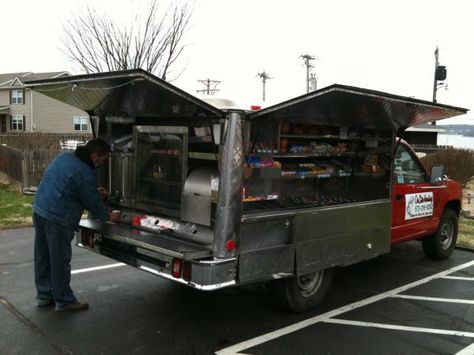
<point x="399" y="303"/>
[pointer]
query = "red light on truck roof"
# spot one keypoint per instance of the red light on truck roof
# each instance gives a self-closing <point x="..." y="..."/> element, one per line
<point x="255" y="107"/>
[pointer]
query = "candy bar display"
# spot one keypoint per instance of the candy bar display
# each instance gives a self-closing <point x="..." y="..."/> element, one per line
<point x="316" y="201"/>
<point x="295" y="164"/>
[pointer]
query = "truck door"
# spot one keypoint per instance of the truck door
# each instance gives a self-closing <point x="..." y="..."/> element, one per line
<point x="413" y="197"/>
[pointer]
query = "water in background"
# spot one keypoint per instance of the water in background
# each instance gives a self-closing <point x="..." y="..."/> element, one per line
<point x="456" y="140"/>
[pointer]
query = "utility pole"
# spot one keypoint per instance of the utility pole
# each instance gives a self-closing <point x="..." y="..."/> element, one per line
<point x="264" y="76"/>
<point x="313" y="82"/>
<point x="440" y="74"/>
<point x="210" y="86"/>
<point x="307" y="58"/>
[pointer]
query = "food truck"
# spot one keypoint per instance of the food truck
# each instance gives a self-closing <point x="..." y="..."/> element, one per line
<point x="219" y="197"/>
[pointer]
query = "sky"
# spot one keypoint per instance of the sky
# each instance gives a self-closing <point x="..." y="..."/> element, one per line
<point x="380" y="45"/>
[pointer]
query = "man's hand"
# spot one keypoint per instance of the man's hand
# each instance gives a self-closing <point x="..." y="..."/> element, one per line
<point x="103" y="192"/>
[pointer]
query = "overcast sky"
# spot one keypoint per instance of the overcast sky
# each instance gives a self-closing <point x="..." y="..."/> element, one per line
<point x="381" y="45"/>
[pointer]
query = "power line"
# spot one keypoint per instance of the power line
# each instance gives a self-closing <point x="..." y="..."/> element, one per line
<point x="210" y="86"/>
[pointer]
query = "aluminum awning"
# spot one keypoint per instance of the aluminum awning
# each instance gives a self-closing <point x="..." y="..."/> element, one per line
<point x="356" y="107"/>
<point x="4" y="109"/>
<point x="128" y="93"/>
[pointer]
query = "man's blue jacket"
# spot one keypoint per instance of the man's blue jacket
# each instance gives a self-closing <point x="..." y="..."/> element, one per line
<point x="68" y="187"/>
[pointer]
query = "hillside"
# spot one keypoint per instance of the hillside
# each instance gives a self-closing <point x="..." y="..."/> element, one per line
<point x="464" y="129"/>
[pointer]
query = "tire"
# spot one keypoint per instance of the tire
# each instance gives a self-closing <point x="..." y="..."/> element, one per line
<point x="302" y="293"/>
<point x="440" y="245"/>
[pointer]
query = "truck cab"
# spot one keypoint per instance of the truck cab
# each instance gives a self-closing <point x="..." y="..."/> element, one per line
<point x="424" y="206"/>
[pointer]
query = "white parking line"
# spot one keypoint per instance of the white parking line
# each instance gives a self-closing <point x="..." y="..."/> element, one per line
<point x="95" y="268"/>
<point x="458" y="278"/>
<point x="400" y="327"/>
<point x="325" y="317"/>
<point x="469" y="350"/>
<point x="434" y="299"/>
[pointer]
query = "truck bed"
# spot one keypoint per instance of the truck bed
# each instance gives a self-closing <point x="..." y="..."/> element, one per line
<point x="164" y="242"/>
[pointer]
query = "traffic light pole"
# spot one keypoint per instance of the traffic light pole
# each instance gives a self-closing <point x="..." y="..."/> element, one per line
<point x="435" y="83"/>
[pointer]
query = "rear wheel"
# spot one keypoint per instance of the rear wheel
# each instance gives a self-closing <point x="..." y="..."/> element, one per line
<point x="304" y="292"/>
<point x="441" y="244"/>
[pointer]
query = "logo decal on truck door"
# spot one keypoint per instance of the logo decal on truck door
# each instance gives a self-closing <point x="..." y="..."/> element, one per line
<point x="418" y="205"/>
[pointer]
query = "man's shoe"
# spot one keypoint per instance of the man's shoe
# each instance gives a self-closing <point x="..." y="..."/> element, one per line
<point x="74" y="307"/>
<point x="45" y="303"/>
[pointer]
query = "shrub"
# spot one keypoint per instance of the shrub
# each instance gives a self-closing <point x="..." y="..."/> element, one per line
<point x="458" y="163"/>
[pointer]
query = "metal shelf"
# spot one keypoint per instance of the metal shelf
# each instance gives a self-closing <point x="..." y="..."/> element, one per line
<point x="163" y="181"/>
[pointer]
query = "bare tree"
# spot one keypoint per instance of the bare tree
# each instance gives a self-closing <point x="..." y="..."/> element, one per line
<point x="153" y="41"/>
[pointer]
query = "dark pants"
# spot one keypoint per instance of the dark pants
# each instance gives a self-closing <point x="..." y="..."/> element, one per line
<point x="52" y="261"/>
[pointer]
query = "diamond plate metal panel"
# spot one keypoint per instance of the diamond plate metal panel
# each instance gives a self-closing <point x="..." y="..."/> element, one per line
<point x="229" y="204"/>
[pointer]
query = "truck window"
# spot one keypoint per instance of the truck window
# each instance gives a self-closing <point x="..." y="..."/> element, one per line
<point x="407" y="169"/>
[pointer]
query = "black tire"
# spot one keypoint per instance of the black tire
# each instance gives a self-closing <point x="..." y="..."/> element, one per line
<point x="302" y="293"/>
<point x="440" y="245"/>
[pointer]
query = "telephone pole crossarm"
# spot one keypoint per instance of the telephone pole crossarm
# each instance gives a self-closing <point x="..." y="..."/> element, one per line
<point x="210" y="86"/>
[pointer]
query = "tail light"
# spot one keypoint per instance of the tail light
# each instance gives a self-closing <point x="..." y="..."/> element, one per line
<point x="176" y="268"/>
<point x="136" y="220"/>
<point x="187" y="269"/>
<point x="87" y="238"/>
<point x="230" y="245"/>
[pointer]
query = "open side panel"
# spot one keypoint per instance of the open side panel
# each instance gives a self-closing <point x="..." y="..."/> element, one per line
<point x="342" y="105"/>
<point x="128" y="93"/>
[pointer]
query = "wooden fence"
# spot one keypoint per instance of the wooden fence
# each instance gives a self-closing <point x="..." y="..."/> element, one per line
<point x="11" y="163"/>
<point x="27" y="141"/>
<point x="24" y="156"/>
<point x="25" y="169"/>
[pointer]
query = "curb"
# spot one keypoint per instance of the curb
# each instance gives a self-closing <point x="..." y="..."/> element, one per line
<point x="464" y="248"/>
<point x="466" y="214"/>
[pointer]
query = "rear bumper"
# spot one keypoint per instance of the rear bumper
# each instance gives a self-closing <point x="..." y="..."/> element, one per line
<point x="155" y="252"/>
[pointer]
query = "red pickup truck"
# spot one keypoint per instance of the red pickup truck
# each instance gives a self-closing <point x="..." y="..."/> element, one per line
<point x="424" y="206"/>
<point x="214" y="197"/>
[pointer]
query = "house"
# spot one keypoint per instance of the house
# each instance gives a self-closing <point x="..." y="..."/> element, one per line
<point x="24" y="110"/>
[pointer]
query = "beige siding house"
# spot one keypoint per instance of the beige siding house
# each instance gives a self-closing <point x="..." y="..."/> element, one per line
<point x="23" y="110"/>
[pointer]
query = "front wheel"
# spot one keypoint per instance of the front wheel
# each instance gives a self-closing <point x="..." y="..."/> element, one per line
<point x="304" y="292"/>
<point x="440" y="245"/>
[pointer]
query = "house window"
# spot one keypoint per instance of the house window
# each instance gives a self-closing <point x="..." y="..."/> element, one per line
<point x="16" y="97"/>
<point x="81" y="123"/>
<point x="18" y="123"/>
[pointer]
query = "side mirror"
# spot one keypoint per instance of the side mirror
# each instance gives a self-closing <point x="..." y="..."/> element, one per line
<point x="437" y="174"/>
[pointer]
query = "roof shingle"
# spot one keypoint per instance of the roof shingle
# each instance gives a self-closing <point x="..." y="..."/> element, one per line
<point x="7" y="78"/>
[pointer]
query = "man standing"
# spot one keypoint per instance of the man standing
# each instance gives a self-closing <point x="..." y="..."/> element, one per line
<point x="68" y="187"/>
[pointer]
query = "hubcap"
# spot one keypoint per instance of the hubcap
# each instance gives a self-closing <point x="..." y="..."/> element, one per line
<point x="309" y="284"/>
<point x="446" y="235"/>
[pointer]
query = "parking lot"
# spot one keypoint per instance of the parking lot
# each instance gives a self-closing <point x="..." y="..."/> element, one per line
<point x="400" y="303"/>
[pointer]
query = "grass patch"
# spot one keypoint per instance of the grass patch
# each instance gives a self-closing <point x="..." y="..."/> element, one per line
<point x="15" y="209"/>
<point x="466" y="232"/>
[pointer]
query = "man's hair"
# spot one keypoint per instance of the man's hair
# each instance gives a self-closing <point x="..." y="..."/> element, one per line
<point x="97" y="145"/>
